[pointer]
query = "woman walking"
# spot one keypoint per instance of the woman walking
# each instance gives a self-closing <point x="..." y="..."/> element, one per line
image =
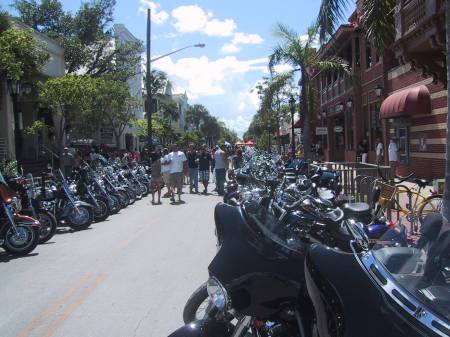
<point x="156" y="180"/>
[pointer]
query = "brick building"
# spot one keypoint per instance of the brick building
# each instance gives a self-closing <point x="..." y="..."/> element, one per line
<point x="401" y="93"/>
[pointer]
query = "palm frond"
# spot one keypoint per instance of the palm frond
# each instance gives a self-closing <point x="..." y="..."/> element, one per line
<point x="285" y="32"/>
<point x="331" y="14"/>
<point x="335" y="64"/>
<point x="379" y="22"/>
<point x="274" y="87"/>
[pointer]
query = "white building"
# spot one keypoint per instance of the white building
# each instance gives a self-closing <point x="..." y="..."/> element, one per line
<point x="28" y="109"/>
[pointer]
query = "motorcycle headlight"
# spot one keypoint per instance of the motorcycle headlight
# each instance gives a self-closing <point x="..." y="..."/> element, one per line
<point x="217" y="294"/>
<point x="73" y="188"/>
<point x="16" y="204"/>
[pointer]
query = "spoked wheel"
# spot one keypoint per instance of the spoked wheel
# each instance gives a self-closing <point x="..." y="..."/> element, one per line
<point x="131" y="195"/>
<point x="114" y="204"/>
<point x="124" y="198"/>
<point x="101" y="213"/>
<point x="432" y="204"/>
<point x="22" y="242"/>
<point x="80" y="219"/>
<point x="48" y="225"/>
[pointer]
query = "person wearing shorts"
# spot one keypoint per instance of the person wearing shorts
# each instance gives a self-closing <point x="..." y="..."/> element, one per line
<point x="165" y="171"/>
<point x="177" y="160"/>
<point x="156" y="180"/>
<point x="204" y="166"/>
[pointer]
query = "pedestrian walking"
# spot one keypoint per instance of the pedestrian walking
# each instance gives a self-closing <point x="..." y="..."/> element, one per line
<point x="156" y="180"/>
<point x="192" y="159"/>
<point x="220" y="161"/>
<point x="393" y="155"/>
<point x="165" y="171"/>
<point x="379" y="150"/>
<point x="204" y="164"/>
<point x="177" y="160"/>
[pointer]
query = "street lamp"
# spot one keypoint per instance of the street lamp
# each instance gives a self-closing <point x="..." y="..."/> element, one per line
<point x="149" y="107"/>
<point x="14" y="90"/>
<point x="349" y="103"/>
<point x="292" y="107"/>
<point x="378" y="90"/>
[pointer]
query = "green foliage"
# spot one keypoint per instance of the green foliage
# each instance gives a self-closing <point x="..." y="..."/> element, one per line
<point x="20" y="54"/>
<point x="195" y="115"/>
<point x="36" y="127"/>
<point x="86" y="36"/>
<point x="8" y="168"/>
<point x="194" y="137"/>
<point x="169" y="110"/>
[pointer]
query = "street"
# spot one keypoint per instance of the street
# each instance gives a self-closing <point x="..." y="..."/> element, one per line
<point x="128" y="276"/>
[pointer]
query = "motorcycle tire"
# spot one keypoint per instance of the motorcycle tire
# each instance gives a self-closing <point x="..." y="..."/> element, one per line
<point x="131" y="195"/>
<point x="88" y="215"/>
<point x="124" y="198"/>
<point x="198" y="297"/>
<point x="137" y="190"/>
<point x="114" y="204"/>
<point x="21" y="246"/>
<point x="48" y="225"/>
<point x="144" y="190"/>
<point x="102" y="212"/>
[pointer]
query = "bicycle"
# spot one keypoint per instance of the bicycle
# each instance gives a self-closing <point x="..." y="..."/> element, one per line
<point x="417" y="206"/>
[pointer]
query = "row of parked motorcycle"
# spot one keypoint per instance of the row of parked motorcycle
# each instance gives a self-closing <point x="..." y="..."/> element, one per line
<point x="32" y="209"/>
<point x="294" y="259"/>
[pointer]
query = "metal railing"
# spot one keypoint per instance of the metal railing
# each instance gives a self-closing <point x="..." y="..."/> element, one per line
<point x="3" y="148"/>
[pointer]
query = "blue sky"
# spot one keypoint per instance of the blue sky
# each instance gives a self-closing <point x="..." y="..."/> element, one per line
<point x="238" y="37"/>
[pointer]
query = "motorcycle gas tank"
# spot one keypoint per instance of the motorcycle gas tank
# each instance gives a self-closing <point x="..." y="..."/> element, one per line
<point x="260" y="277"/>
<point x="347" y="302"/>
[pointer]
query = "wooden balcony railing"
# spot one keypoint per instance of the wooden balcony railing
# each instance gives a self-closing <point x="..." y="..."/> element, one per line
<point x="411" y="14"/>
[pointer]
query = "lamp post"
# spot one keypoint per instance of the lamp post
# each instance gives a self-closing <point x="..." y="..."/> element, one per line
<point x="149" y="107"/>
<point x="292" y="107"/>
<point x="14" y="90"/>
<point x="378" y="91"/>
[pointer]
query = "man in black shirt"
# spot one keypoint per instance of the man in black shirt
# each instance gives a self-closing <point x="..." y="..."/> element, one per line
<point x="204" y="161"/>
<point x="192" y="158"/>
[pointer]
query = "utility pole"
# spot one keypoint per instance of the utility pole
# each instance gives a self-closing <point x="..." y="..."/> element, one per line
<point x="148" y="85"/>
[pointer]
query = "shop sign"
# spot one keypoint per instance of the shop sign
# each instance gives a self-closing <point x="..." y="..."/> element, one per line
<point x="338" y="129"/>
<point x="321" y="131"/>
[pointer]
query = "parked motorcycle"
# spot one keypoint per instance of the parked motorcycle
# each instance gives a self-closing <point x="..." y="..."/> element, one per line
<point x="19" y="234"/>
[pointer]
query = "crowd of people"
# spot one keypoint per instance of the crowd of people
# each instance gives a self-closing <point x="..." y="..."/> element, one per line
<point x="193" y="165"/>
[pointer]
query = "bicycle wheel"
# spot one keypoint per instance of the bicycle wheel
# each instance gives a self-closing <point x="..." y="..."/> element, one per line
<point x="432" y="204"/>
<point x="404" y="205"/>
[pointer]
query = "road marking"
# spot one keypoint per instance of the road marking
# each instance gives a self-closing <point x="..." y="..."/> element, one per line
<point x="47" y="313"/>
<point x="56" y="323"/>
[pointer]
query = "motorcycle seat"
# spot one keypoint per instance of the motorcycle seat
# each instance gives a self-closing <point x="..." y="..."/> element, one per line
<point x="422" y="183"/>
<point x="356" y="208"/>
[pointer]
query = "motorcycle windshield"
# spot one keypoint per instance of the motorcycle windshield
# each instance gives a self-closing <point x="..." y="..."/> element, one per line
<point x="280" y="232"/>
<point x="421" y="267"/>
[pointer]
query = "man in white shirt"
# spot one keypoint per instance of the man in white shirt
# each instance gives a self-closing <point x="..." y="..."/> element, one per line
<point x="393" y="155"/>
<point x="177" y="158"/>
<point x="220" y="164"/>
<point x="379" y="150"/>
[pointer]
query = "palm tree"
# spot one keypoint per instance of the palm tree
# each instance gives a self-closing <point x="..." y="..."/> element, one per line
<point x="379" y="23"/>
<point x="196" y="114"/>
<point x="300" y="53"/>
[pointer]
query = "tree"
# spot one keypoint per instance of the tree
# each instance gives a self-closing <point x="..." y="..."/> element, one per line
<point x="70" y="97"/>
<point x="195" y="114"/>
<point x="210" y="129"/>
<point x="87" y="36"/>
<point x="300" y="53"/>
<point x="114" y="104"/>
<point x="21" y="55"/>
<point x="169" y="110"/>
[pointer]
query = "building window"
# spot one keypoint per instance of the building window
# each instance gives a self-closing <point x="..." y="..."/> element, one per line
<point x="375" y="125"/>
<point x="349" y="129"/>
<point x="357" y="52"/>
<point x="402" y="134"/>
<point x="368" y="56"/>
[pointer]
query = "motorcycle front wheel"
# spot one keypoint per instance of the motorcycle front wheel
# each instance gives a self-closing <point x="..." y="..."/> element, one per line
<point x="114" y="204"/>
<point x="48" y="225"/>
<point x="131" y="195"/>
<point x="124" y="198"/>
<point x="196" y="306"/>
<point x="82" y="219"/>
<point x="102" y="211"/>
<point x="22" y="242"/>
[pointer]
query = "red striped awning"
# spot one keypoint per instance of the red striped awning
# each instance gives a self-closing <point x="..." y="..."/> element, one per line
<point x="413" y="101"/>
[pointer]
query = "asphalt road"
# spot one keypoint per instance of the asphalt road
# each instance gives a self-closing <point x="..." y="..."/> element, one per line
<point x="129" y="276"/>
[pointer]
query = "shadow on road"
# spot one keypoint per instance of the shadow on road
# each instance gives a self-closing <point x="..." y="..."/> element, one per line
<point x="64" y="230"/>
<point x="6" y="257"/>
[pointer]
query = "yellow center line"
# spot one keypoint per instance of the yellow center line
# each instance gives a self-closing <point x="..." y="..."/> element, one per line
<point x="56" y="323"/>
<point x="26" y="332"/>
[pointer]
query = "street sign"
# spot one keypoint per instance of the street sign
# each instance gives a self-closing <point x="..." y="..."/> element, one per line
<point x="338" y="129"/>
<point x="321" y="131"/>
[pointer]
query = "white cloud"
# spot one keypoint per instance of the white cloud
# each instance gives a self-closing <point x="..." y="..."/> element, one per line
<point x="192" y="18"/>
<point x="205" y="77"/>
<point x="158" y="16"/>
<point x="240" y="38"/>
<point x="249" y="99"/>
<point x="239" y="124"/>
<point x="230" y="48"/>
<point x="315" y="43"/>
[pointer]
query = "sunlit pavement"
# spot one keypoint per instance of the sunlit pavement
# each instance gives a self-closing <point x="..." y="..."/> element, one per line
<point x="128" y="276"/>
